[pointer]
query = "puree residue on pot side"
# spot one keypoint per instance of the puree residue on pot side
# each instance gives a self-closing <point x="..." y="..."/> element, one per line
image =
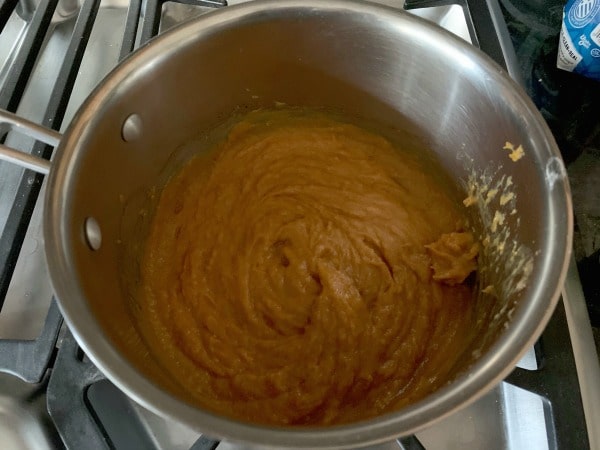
<point x="306" y="271"/>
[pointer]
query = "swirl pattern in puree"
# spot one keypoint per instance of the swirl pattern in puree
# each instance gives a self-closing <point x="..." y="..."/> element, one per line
<point x="305" y="271"/>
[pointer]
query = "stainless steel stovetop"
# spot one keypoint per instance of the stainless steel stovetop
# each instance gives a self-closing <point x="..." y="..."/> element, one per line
<point x="52" y="54"/>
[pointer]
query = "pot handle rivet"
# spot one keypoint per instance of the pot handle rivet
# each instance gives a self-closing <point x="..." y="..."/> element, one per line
<point x="92" y="233"/>
<point x="132" y="128"/>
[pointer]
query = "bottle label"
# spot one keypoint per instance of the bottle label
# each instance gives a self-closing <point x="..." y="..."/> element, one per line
<point x="596" y="35"/>
<point x="579" y="45"/>
<point x="582" y="12"/>
<point x="568" y="56"/>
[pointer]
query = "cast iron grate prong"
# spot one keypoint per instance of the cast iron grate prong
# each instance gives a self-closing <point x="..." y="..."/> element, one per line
<point x="66" y="402"/>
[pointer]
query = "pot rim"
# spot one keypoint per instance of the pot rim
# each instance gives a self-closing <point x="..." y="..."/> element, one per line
<point x="486" y="372"/>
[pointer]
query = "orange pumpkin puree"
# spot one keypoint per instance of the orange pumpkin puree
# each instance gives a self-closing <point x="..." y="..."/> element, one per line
<point x="306" y="271"/>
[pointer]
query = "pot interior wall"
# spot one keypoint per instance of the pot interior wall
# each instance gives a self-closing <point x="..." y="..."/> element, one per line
<point x="367" y="65"/>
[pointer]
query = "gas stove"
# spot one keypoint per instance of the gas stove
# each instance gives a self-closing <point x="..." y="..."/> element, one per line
<point x="52" y="54"/>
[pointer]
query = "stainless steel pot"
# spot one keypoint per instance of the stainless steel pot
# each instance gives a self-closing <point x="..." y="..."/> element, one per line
<point x="356" y="57"/>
